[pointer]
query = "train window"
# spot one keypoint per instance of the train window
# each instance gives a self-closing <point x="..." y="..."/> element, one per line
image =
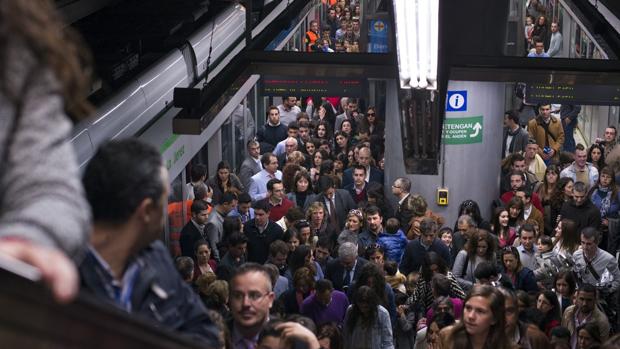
<point x="418" y="115"/>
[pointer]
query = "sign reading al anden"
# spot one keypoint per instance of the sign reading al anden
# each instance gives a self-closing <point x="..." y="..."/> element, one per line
<point x="462" y="130"/>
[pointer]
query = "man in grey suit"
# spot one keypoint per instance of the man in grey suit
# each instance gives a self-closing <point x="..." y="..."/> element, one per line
<point x="215" y="222"/>
<point x="251" y="165"/>
<point x="351" y="113"/>
<point x="337" y="202"/>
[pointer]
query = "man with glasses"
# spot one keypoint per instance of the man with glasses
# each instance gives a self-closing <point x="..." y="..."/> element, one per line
<point x="401" y="189"/>
<point x="251" y="297"/>
<point x="548" y="133"/>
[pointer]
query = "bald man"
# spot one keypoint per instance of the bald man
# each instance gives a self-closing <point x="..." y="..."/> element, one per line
<point x="373" y="174"/>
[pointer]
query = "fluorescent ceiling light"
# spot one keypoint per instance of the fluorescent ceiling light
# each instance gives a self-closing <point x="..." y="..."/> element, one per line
<point x="417" y="28"/>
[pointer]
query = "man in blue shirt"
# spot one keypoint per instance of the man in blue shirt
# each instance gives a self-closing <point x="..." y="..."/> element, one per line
<point x="539" y="49"/>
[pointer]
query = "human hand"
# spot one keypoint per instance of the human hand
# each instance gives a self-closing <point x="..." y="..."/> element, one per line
<point x="292" y="331"/>
<point x="421" y="324"/>
<point x="57" y="271"/>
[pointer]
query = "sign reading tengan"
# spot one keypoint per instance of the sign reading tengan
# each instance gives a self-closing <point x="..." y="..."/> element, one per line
<point x="462" y="130"/>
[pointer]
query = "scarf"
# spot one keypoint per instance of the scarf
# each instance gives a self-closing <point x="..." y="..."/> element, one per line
<point x="605" y="195"/>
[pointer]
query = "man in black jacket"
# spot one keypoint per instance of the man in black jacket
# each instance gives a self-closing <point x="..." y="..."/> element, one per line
<point x="127" y="265"/>
<point x="194" y="230"/>
<point x="417" y="249"/>
<point x="261" y="232"/>
<point x="580" y="209"/>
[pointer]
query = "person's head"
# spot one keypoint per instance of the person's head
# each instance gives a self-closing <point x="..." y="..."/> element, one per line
<point x="544" y="109"/>
<point x="126" y="183"/>
<point x="374" y="219"/>
<point x="314" y="26"/>
<point x="590" y="238"/>
<point x="517" y="180"/>
<point x="365" y="303"/>
<point x="481" y="244"/>
<point x="346" y="127"/>
<point x="531" y="150"/>
<point x="375" y="254"/>
<point x="486" y="273"/>
<point x="610" y="134"/>
<point x="440" y="321"/>
<point x="202" y="252"/>
<point x="511" y="119"/>
<point x="565" y="186"/>
<point x="223" y="171"/>
<point x="261" y="213"/>
<point x="552" y="174"/>
<point x="347" y="255"/>
<point x="433" y="264"/>
<point x="316" y="213"/>
<point x="273" y="115"/>
<point x="500" y="219"/>
<point x="310" y="147"/>
<point x="511" y="309"/>
<point x="586" y="298"/>
<point x="580" y="193"/>
<point x="401" y="187"/>
<point x="355" y="220"/>
<point x="371" y="115"/>
<point x="470" y="207"/>
<point x="527" y="236"/>
<point x="515" y="208"/>
<point x="291" y="237"/>
<point x="185" y="267"/>
<point x="588" y="334"/>
<point x="555" y="27"/>
<point x="352" y="105"/>
<point x="275" y="189"/>
<point x="428" y="231"/>
<point x="303" y="182"/>
<point x="329" y="336"/>
<point x="253" y="148"/>
<point x="200" y="212"/>
<point x="464" y="223"/>
<point x="327" y="186"/>
<point x="244" y="202"/>
<point x="323" y="249"/>
<point x="581" y="155"/>
<point x="271" y="336"/>
<point x="305" y="233"/>
<point x="198" y="173"/>
<point x="251" y="296"/>
<point x="511" y="260"/>
<point x="525" y="194"/>
<point x="237" y="244"/>
<point x="359" y="175"/>
<point x="364" y="157"/>
<point x="303" y="280"/>
<point x="269" y="162"/>
<point x="278" y="252"/>
<point x="517" y="162"/>
<point x="445" y="234"/>
<point x="544" y="244"/>
<point x="547" y="303"/>
<point x="323" y="291"/>
<point x="564" y="283"/>
<point x="607" y="178"/>
<point x="484" y="313"/>
<point x="392" y="225"/>
<point x="560" y="334"/>
<point x="304" y="131"/>
<point x="228" y="202"/>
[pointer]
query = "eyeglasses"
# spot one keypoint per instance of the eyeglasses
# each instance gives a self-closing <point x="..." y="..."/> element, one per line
<point x="370" y="114"/>
<point x="253" y="296"/>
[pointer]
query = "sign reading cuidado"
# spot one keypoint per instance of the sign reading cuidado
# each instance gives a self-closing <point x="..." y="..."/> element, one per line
<point x="462" y="130"/>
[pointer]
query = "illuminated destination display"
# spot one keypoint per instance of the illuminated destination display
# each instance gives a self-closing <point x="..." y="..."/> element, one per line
<point x="573" y="94"/>
<point x="299" y="86"/>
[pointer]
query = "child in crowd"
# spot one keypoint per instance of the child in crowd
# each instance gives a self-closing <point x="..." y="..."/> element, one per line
<point x="393" y="240"/>
<point x="394" y="277"/>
